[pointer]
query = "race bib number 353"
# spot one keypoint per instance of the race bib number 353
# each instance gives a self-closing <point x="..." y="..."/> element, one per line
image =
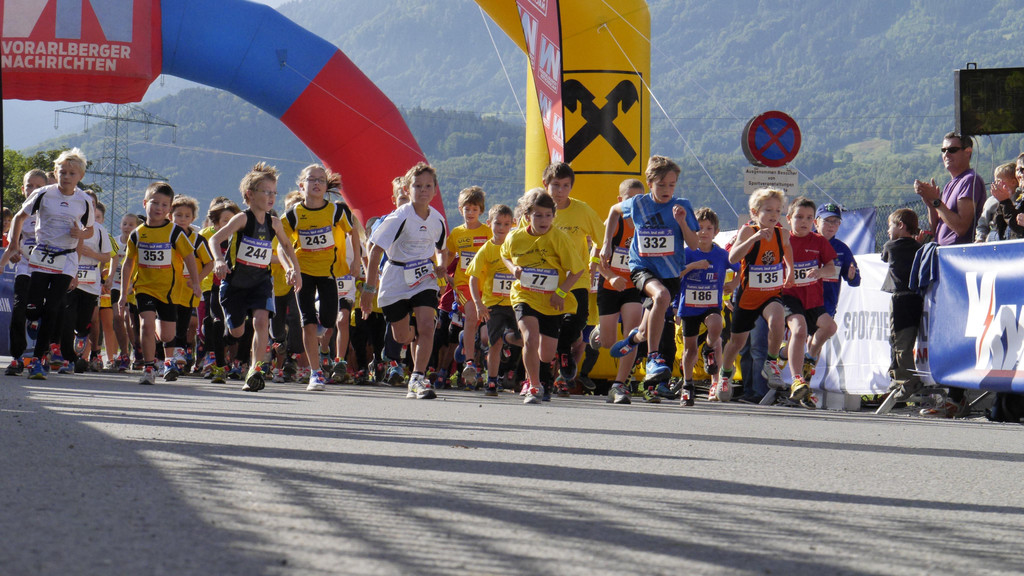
<point x="155" y="254"/>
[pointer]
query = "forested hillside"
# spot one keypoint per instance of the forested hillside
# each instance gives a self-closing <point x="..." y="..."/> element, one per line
<point x="869" y="82"/>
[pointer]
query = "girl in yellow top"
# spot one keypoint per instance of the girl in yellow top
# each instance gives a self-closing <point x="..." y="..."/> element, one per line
<point x="546" y="265"/>
<point x="463" y="244"/>
<point x="317" y="230"/>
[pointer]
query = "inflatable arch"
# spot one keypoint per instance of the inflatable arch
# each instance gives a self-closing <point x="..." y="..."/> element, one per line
<point x="111" y="50"/>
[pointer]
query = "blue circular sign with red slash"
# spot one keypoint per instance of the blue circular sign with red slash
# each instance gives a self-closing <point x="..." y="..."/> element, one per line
<point x="771" y="139"/>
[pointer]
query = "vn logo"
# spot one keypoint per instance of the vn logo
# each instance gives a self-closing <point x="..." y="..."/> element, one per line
<point x="599" y="121"/>
<point x="997" y="330"/>
<point x="114" y="17"/>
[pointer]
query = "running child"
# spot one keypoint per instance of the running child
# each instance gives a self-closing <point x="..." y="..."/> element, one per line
<point x="810" y="326"/>
<point x="18" y="341"/>
<point x="546" y="264"/>
<point x="183" y="212"/>
<point x="463" y="244"/>
<point x="247" y="288"/>
<point x="413" y="238"/>
<point x="64" y="215"/>
<point x="490" y="285"/>
<point x="80" y="302"/>
<point x="577" y="219"/>
<point x="216" y="363"/>
<point x="150" y="269"/>
<point x="664" y="225"/>
<point x="617" y="296"/>
<point x="763" y="249"/>
<point x="700" y="302"/>
<point x="317" y="230"/>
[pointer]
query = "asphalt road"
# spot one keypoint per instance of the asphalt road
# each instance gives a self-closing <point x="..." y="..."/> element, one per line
<point x="99" y="475"/>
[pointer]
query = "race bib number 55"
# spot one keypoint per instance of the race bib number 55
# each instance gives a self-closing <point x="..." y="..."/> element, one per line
<point x="416" y="272"/>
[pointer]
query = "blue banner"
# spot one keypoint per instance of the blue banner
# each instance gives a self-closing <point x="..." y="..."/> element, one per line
<point x="975" y="331"/>
<point x="858" y="230"/>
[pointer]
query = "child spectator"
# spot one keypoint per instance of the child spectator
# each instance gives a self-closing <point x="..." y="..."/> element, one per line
<point x="700" y="302"/>
<point x="546" y="263"/>
<point x="767" y="265"/>
<point x="413" y="238"/>
<point x="490" y="285"/>
<point x="463" y="244"/>
<point x="149" y="267"/>
<point x="906" y="306"/>
<point x="1008" y="222"/>
<point x="809" y="325"/>
<point x="663" y="223"/>
<point x="247" y="288"/>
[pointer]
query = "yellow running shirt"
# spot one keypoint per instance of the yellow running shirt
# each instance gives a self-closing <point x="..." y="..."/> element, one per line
<point x="495" y="279"/>
<point x="463" y="244"/>
<point x="318" y="237"/>
<point x="579" y="221"/>
<point x="546" y="261"/>
<point x="183" y="295"/>
<point x="152" y="249"/>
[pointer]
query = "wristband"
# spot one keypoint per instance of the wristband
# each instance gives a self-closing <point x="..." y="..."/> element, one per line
<point x="561" y="293"/>
<point x="595" y="260"/>
<point x="369" y="289"/>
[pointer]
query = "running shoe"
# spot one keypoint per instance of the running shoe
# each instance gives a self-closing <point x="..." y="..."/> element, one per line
<point x="254" y="381"/>
<point x="460" y="353"/>
<point x="723" y="393"/>
<point x="650" y="396"/>
<point x="710" y="361"/>
<point x="36" y="370"/>
<point x="624" y="346"/>
<point x="235" y="373"/>
<point x="96" y="364"/>
<point x="619" y="394"/>
<point x="208" y="364"/>
<point x="664" y="390"/>
<point x="656" y="367"/>
<point x="808" y="368"/>
<point x="56" y="360"/>
<point x="148" y="376"/>
<point x="688" y="394"/>
<point x="80" y="343"/>
<point x="587" y="384"/>
<point x="316" y="381"/>
<point x="594" y="340"/>
<point x="799" y="390"/>
<point x="567" y="366"/>
<point x="124" y="363"/>
<point x="562" y="387"/>
<point x="15" y="368"/>
<point x="947" y="409"/>
<point x="491" y="389"/>
<point x="278" y="376"/>
<point x="772" y="372"/>
<point x="170" y="370"/>
<point x="339" y="372"/>
<point x="469" y="375"/>
<point x="66" y="368"/>
<point x="396" y="374"/>
<point x="532" y="394"/>
<point x="713" y="390"/>
<point x="81" y="366"/>
<point x="218" y="375"/>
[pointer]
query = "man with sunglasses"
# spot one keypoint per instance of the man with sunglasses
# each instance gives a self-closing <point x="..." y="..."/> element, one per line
<point x="952" y="214"/>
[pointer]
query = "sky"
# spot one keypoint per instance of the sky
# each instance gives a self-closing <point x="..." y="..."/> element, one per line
<point x="26" y="123"/>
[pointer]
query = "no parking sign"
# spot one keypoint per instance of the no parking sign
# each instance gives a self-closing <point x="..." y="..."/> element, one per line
<point x="771" y="139"/>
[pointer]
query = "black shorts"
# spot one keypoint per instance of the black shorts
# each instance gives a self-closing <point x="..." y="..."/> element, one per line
<point x="743" y="320"/>
<point x="344" y="304"/>
<point x="691" y="324"/>
<point x="793" y="305"/>
<point x="398" y="310"/>
<point x="610" y="301"/>
<point x="548" y="325"/>
<point x="239" y="303"/>
<point x="640" y="278"/>
<point x="326" y="289"/>
<point x="502" y="318"/>
<point x="165" y="311"/>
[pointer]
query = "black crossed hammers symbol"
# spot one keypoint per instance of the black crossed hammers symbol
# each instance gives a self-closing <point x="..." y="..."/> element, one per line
<point x="600" y="121"/>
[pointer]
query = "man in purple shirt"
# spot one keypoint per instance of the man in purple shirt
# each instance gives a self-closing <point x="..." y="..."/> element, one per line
<point x="953" y="214"/>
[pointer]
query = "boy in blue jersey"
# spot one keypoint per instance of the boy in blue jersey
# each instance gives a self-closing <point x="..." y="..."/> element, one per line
<point x="828" y="219"/>
<point x="663" y="225"/>
<point x="700" y="302"/>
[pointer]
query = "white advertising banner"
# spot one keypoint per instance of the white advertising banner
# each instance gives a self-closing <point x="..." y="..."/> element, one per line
<point x="856" y="360"/>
